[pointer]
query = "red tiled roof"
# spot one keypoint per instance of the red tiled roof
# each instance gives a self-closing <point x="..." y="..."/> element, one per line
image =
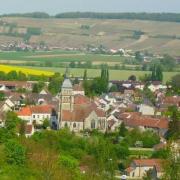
<point x="29" y="110"/>
<point x="133" y="119"/>
<point x="147" y="162"/>
<point x="77" y="87"/>
<point x="45" y="109"/>
<point x="16" y="83"/>
<point x="111" y="123"/>
<point x="174" y="100"/>
<point x="80" y="113"/>
<point x="80" y="99"/>
<point x="26" y="111"/>
<point x="99" y="112"/>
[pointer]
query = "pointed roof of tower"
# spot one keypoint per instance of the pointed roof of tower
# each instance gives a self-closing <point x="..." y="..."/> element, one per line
<point x="67" y="83"/>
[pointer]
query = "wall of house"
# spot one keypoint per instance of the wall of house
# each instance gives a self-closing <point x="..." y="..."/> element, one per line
<point x="26" y="118"/>
<point x="140" y="171"/>
<point x="146" y="110"/>
<point x="39" y="118"/>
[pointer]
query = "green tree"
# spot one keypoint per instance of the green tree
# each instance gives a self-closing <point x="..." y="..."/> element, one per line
<point x="22" y="76"/>
<point x="2" y="96"/>
<point x="174" y="124"/>
<point x="132" y="78"/>
<point x="171" y="167"/>
<point x="35" y="88"/>
<point x="138" y="56"/>
<point x="22" y="128"/>
<point x="68" y="162"/>
<point x="11" y="122"/>
<point x="15" y="153"/>
<point x="114" y="88"/>
<point x="153" y="76"/>
<point x="122" y="151"/>
<point x="46" y="124"/>
<point x="55" y="83"/>
<point x="122" y="130"/>
<point x="12" y="75"/>
<point x="159" y="73"/>
<point x="85" y="75"/>
<point x="168" y="62"/>
<point x="175" y="83"/>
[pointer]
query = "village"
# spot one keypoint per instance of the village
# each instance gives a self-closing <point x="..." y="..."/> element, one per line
<point x="124" y="106"/>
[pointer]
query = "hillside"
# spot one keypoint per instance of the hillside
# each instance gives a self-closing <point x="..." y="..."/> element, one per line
<point x="153" y="36"/>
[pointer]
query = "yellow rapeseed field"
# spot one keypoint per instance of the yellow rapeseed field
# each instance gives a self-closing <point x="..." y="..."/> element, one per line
<point x="7" y="68"/>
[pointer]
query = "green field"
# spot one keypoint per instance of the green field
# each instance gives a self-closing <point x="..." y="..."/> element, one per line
<point x="58" y="56"/>
<point x="37" y="59"/>
<point x="114" y="74"/>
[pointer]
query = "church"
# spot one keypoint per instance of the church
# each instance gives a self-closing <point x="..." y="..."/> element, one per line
<point x="78" y="112"/>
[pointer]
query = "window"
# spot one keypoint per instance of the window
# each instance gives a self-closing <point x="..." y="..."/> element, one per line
<point x="37" y="116"/>
<point x="93" y="124"/>
<point x="66" y="125"/>
<point x="74" y="125"/>
<point x="34" y="116"/>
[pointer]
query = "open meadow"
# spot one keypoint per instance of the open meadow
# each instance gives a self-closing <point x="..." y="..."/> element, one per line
<point x="114" y="74"/>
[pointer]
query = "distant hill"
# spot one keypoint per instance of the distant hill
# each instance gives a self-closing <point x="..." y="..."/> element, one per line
<point x="153" y="36"/>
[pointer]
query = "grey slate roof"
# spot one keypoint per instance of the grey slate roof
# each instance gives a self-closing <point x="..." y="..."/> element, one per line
<point x="67" y="84"/>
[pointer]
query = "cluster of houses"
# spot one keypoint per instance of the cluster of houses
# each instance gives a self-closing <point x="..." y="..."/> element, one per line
<point x="22" y="46"/>
<point x="71" y="108"/>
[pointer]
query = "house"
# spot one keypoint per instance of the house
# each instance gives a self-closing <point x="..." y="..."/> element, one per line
<point x="136" y="120"/>
<point x="15" y="85"/>
<point x="157" y="85"/>
<point x="44" y="92"/>
<point x="139" y="167"/>
<point x="145" y="109"/>
<point x="170" y="101"/>
<point x="78" y="112"/>
<point x="37" y="114"/>
<point x="4" y="107"/>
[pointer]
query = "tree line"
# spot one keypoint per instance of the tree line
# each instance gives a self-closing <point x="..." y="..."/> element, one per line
<point x="171" y="17"/>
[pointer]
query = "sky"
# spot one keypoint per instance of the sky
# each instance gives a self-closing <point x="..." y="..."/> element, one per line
<point x="57" y="6"/>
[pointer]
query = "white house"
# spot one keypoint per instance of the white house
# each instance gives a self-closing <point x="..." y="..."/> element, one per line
<point x="37" y="114"/>
<point x="139" y="167"/>
<point x="146" y="110"/>
<point x="156" y="85"/>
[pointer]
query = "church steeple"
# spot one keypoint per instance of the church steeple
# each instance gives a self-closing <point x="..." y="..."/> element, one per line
<point x="67" y="95"/>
